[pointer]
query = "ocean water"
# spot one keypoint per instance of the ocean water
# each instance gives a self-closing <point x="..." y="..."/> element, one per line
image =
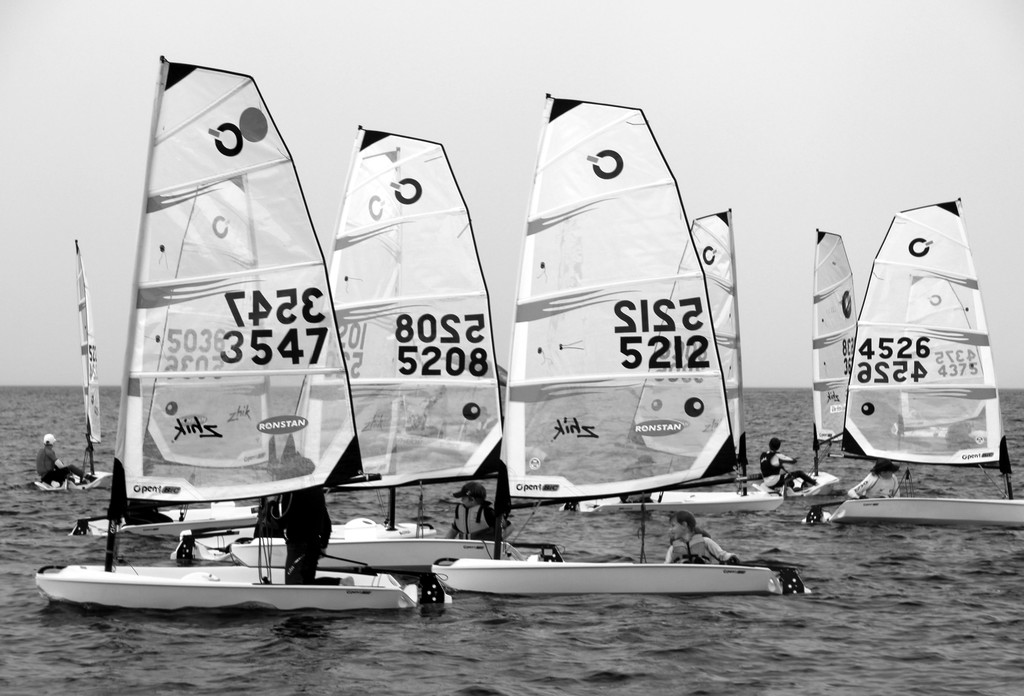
<point x="893" y="609"/>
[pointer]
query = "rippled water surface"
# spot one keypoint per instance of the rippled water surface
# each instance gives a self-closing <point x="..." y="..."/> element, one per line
<point x="894" y="609"/>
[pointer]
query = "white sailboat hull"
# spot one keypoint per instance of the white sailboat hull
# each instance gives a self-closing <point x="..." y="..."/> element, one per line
<point x="544" y="578"/>
<point x="216" y="545"/>
<point x="394" y="554"/>
<point x="102" y="481"/>
<point x="931" y="511"/>
<point x="174" y="588"/>
<point x="827" y="484"/>
<point x="216" y="516"/>
<point x="703" y="502"/>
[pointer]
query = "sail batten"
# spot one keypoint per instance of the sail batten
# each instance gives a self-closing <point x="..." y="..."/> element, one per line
<point x="232" y="311"/>
<point x="615" y="384"/>
<point x="923" y="385"/>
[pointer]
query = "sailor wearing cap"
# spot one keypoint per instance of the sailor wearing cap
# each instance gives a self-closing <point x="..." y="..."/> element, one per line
<point x="474" y="516"/>
<point x="880" y="483"/>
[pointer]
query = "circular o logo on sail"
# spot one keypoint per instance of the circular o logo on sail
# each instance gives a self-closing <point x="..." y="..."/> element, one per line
<point x="400" y="196"/>
<point x="252" y="126"/>
<point x="376" y="207"/>
<point x="919" y="247"/>
<point x="220" y="227"/>
<point x="935" y="300"/>
<point x="171" y="408"/>
<point x="471" y="411"/>
<point x="694" y="407"/>
<point x="867" y="408"/>
<point x="709" y="255"/>
<point x="599" y="165"/>
<point x="281" y="425"/>
<point x="847" y="304"/>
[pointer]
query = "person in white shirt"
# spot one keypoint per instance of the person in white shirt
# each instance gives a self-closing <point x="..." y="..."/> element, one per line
<point x="880" y="483"/>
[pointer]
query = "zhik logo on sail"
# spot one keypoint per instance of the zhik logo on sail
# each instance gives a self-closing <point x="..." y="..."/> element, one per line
<point x="194" y="426"/>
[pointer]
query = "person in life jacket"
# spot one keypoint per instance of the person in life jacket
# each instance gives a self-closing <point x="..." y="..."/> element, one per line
<point x="880" y="483"/>
<point x="774" y="471"/>
<point x="474" y="516"/>
<point x="688" y="543"/>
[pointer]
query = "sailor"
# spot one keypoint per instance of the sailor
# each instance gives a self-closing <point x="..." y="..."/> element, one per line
<point x="50" y="468"/>
<point x="774" y="471"/>
<point x="689" y="544"/>
<point x="880" y="483"/>
<point x="474" y="516"/>
<point x="306" y="525"/>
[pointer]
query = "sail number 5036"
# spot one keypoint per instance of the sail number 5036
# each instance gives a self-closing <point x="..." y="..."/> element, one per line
<point x="669" y="349"/>
<point x="431" y="360"/>
<point x="893" y="359"/>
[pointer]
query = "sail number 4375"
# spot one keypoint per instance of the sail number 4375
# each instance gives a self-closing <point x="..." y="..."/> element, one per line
<point x="892" y="359"/>
<point x="668" y="349"/>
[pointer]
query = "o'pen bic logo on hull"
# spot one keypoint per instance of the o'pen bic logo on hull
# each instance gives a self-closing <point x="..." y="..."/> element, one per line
<point x="658" y="428"/>
<point x="281" y="425"/>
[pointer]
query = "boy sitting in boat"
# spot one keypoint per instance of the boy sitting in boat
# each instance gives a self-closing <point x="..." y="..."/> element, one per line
<point x="775" y="473"/>
<point x="52" y="471"/>
<point x="474" y="516"/>
<point x="880" y="483"/>
<point x="689" y="543"/>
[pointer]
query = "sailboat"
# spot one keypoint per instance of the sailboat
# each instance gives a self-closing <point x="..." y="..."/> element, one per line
<point x="615" y="384"/>
<point x="231" y="322"/>
<point x="414" y="317"/>
<point x="922" y="382"/>
<point x="90" y="390"/>
<point x="714" y="243"/>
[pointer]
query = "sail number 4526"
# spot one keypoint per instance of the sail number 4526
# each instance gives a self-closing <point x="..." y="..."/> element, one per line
<point x="659" y="317"/>
<point x="893" y="359"/>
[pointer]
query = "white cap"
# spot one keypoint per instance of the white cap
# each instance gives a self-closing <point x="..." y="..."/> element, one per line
<point x="49" y="439"/>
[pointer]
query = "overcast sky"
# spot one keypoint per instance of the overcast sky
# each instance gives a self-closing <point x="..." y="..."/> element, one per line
<point x="797" y="115"/>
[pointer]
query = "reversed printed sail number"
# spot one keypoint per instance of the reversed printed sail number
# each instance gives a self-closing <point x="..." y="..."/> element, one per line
<point x="435" y="360"/>
<point x="284" y="341"/>
<point x="893" y="360"/>
<point x="667" y="348"/>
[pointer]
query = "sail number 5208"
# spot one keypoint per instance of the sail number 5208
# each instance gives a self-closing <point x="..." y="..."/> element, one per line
<point x="893" y="360"/>
<point x="431" y="360"/>
<point x="667" y="351"/>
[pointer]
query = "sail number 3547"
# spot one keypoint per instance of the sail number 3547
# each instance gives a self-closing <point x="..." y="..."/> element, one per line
<point x="667" y="349"/>
<point x="892" y="360"/>
<point x="264" y="343"/>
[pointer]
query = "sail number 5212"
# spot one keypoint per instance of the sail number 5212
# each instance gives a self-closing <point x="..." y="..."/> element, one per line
<point x="668" y="349"/>
<point x="893" y="360"/>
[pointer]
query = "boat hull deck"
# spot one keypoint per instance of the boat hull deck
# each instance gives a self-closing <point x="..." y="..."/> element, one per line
<point x="574" y="578"/>
<point x="174" y="588"/>
<point x="931" y="511"/>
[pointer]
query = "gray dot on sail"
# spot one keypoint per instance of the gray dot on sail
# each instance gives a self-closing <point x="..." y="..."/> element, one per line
<point x="171" y="408"/>
<point x="656" y="405"/>
<point x="253" y="125"/>
<point x="867" y="409"/>
<point x="694" y="407"/>
<point x="471" y="411"/>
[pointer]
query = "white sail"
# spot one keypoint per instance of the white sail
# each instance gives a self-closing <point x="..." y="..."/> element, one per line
<point x="715" y="247"/>
<point x="923" y="385"/>
<point x="90" y="376"/>
<point x="413" y="313"/>
<point x="231" y="310"/>
<point x="614" y="382"/>
<point x="833" y="334"/>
